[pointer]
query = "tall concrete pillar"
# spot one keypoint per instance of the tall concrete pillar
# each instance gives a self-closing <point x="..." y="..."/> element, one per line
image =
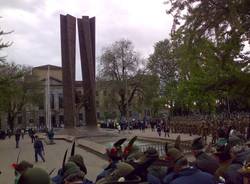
<point x="86" y="32"/>
<point x="68" y="43"/>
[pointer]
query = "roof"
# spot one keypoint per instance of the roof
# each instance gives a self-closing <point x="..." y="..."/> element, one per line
<point x="52" y="78"/>
<point x="45" y="67"/>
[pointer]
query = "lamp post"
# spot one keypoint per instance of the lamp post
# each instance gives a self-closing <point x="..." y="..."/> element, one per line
<point x="47" y="97"/>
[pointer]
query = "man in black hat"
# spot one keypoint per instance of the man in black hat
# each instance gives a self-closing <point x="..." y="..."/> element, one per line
<point x="183" y="173"/>
<point x="203" y="161"/>
<point x="222" y="153"/>
<point x="115" y="155"/>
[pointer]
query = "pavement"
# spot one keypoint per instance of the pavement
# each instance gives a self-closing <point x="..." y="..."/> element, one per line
<point x="53" y="155"/>
<point x="94" y="148"/>
<point x="154" y="135"/>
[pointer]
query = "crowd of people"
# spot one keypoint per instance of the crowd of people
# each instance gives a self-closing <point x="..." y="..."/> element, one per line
<point x="224" y="160"/>
<point x="227" y="161"/>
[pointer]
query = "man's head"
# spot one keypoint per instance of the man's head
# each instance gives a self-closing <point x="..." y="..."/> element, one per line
<point x="237" y="145"/>
<point x="22" y="167"/>
<point x="78" y="160"/>
<point x="34" y="176"/>
<point x="197" y="146"/>
<point x="222" y="152"/>
<point x="172" y="156"/>
<point x="72" y="173"/>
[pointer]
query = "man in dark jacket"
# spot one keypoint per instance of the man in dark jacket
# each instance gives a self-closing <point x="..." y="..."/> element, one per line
<point x="239" y="154"/>
<point x="17" y="137"/>
<point x="204" y="162"/>
<point x="39" y="149"/>
<point x="190" y="175"/>
<point x="183" y="173"/>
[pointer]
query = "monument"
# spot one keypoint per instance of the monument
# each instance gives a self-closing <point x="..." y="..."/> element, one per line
<point x="86" y="32"/>
<point x="68" y="44"/>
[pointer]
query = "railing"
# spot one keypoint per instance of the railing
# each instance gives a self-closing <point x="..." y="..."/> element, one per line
<point x="160" y="147"/>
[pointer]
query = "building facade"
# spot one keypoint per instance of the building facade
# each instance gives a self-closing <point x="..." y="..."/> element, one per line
<point x="106" y="107"/>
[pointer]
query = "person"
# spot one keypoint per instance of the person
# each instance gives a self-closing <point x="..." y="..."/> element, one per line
<point x="17" y="137"/>
<point x="248" y="132"/>
<point x="9" y="133"/>
<point x="39" y="149"/>
<point x="203" y="161"/>
<point x="159" y="129"/>
<point x="239" y="155"/>
<point x="115" y="155"/>
<point x="78" y="161"/>
<point x="22" y="133"/>
<point x="20" y="168"/>
<point x="172" y="155"/>
<point x="245" y="171"/>
<point x="50" y="135"/>
<point x="34" y="176"/>
<point x="118" y="175"/>
<point x="32" y="135"/>
<point x="183" y="173"/>
<point x="223" y="155"/>
<point x="73" y="175"/>
<point x="165" y="129"/>
<point x="119" y="128"/>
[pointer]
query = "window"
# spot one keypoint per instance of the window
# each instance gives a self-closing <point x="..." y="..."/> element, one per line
<point x="41" y="105"/>
<point x="104" y="93"/>
<point x="97" y="104"/>
<point x="98" y="115"/>
<point x="60" y="100"/>
<point x="80" y="116"/>
<point x="61" y="119"/>
<point x="52" y="101"/>
<point x="19" y="120"/>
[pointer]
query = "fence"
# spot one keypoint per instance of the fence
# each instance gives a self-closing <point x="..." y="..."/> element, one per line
<point x="160" y="147"/>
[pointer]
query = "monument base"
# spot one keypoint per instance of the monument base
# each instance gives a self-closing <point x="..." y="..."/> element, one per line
<point x="82" y="132"/>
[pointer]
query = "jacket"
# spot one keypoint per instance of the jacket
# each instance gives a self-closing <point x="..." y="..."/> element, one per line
<point x="193" y="175"/>
<point x="232" y="176"/>
<point x="206" y="163"/>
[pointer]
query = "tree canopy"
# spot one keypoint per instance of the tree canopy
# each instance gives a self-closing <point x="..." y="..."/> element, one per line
<point x="123" y="67"/>
<point x="210" y="40"/>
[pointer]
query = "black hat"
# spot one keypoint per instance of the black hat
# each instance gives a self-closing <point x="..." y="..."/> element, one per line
<point x="197" y="144"/>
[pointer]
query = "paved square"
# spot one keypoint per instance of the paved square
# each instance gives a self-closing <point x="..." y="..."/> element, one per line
<point x="53" y="155"/>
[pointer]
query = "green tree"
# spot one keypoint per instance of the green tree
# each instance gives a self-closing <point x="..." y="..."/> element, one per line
<point x="19" y="89"/>
<point x="121" y="65"/>
<point x="210" y="49"/>
<point x="163" y="63"/>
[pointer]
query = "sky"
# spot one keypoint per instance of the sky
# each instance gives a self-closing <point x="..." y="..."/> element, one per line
<point x="36" y="26"/>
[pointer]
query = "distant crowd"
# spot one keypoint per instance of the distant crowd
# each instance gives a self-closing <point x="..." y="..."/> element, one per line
<point x="225" y="160"/>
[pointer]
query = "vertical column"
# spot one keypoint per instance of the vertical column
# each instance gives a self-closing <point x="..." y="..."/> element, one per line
<point x="68" y="40"/>
<point x="87" y="45"/>
<point x="92" y="30"/>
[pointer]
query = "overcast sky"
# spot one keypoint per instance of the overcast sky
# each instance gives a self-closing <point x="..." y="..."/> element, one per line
<point x="36" y="26"/>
